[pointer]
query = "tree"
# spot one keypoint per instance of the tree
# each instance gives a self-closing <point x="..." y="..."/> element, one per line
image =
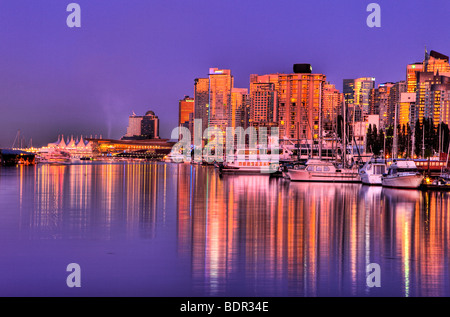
<point x="369" y="139"/>
<point x="418" y="139"/>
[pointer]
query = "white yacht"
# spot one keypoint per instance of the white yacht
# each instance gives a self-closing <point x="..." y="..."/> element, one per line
<point x="250" y="161"/>
<point x="372" y="171"/>
<point x="402" y="174"/>
<point x="323" y="171"/>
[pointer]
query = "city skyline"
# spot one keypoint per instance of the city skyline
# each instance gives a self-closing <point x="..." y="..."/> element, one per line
<point x="56" y="80"/>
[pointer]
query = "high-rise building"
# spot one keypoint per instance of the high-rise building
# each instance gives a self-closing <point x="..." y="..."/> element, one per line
<point x="237" y="116"/>
<point x="431" y="89"/>
<point x="142" y="127"/>
<point x="406" y="113"/>
<point x="411" y="76"/>
<point x="185" y="108"/>
<point x="134" y="125"/>
<point x="185" y="113"/>
<point x="357" y="95"/>
<point x="394" y="102"/>
<point x="436" y="62"/>
<point x="201" y="101"/>
<point x="220" y="86"/>
<point x="426" y="80"/>
<point x="150" y="126"/>
<point x="299" y="103"/>
<point x="263" y="109"/>
<point x="332" y="105"/>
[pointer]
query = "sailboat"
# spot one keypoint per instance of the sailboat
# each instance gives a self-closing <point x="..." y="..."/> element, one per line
<point x="318" y="170"/>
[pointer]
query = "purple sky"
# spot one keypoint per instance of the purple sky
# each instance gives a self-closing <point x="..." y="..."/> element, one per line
<point x="144" y="55"/>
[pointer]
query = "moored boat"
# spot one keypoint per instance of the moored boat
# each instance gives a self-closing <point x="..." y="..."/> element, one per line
<point x="249" y="161"/>
<point x="402" y="174"/>
<point x="324" y="171"/>
<point x="372" y="171"/>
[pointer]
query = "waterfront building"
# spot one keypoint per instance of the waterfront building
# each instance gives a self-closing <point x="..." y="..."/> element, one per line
<point x="436" y="62"/>
<point x="150" y="149"/>
<point x="142" y="127"/>
<point x="428" y="81"/>
<point x="299" y="103"/>
<point x="431" y="96"/>
<point x="332" y="106"/>
<point x="185" y="108"/>
<point x="201" y="101"/>
<point x="406" y="114"/>
<point x="220" y="87"/>
<point x="263" y="108"/>
<point x="357" y="95"/>
<point x="411" y="76"/>
<point x="237" y="113"/>
<point x="379" y="102"/>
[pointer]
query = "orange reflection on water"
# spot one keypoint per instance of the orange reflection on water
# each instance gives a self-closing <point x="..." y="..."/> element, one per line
<point x="312" y="239"/>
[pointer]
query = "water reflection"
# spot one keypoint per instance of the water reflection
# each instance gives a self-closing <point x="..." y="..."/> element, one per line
<point x="242" y="235"/>
<point x="81" y="201"/>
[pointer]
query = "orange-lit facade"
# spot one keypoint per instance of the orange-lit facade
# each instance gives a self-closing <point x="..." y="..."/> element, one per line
<point x="220" y="86"/>
<point x="332" y="105"/>
<point x="263" y="111"/>
<point x="239" y="107"/>
<point x="155" y="149"/>
<point x="299" y="103"/>
<point x="185" y="109"/>
<point x="201" y="101"/>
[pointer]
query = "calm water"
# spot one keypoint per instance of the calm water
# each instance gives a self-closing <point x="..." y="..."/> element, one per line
<point x="180" y="230"/>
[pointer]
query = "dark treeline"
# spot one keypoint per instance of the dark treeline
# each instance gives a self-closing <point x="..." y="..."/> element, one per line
<point x="426" y="133"/>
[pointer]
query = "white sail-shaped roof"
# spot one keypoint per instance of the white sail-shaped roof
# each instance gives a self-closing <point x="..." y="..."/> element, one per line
<point x="71" y="144"/>
<point x="81" y="144"/>
<point x="62" y="143"/>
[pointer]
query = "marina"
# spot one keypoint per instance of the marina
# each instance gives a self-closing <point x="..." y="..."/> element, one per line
<point x="174" y="229"/>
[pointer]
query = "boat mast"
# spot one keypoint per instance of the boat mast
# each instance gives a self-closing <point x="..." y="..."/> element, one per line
<point x="344" y="141"/>
<point x="320" y="121"/>
<point x="395" y="145"/>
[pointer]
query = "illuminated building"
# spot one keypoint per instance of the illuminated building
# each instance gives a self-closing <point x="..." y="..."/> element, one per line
<point x="155" y="149"/>
<point x="436" y="62"/>
<point x="201" y="101"/>
<point x="263" y="109"/>
<point x="185" y="108"/>
<point x="185" y="112"/>
<point x="411" y="76"/>
<point x="357" y="96"/>
<point x="332" y="105"/>
<point x="431" y="89"/>
<point x="220" y="86"/>
<point x="142" y="127"/>
<point x="394" y="101"/>
<point x="406" y="109"/>
<point x="299" y="103"/>
<point x="425" y="80"/>
<point x="237" y="116"/>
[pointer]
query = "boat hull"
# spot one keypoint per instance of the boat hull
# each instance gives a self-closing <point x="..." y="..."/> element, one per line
<point x="371" y="179"/>
<point x="403" y="181"/>
<point x="334" y="177"/>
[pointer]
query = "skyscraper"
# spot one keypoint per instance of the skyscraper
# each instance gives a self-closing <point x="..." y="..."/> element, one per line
<point x="220" y="86"/>
<point x="201" y="101"/>
<point x="142" y="127"/>
<point x="237" y="116"/>
<point x="263" y="109"/>
<point x="357" y="95"/>
<point x="185" y="112"/>
<point x="332" y="106"/>
<point x="299" y="103"/>
<point x="185" y="108"/>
